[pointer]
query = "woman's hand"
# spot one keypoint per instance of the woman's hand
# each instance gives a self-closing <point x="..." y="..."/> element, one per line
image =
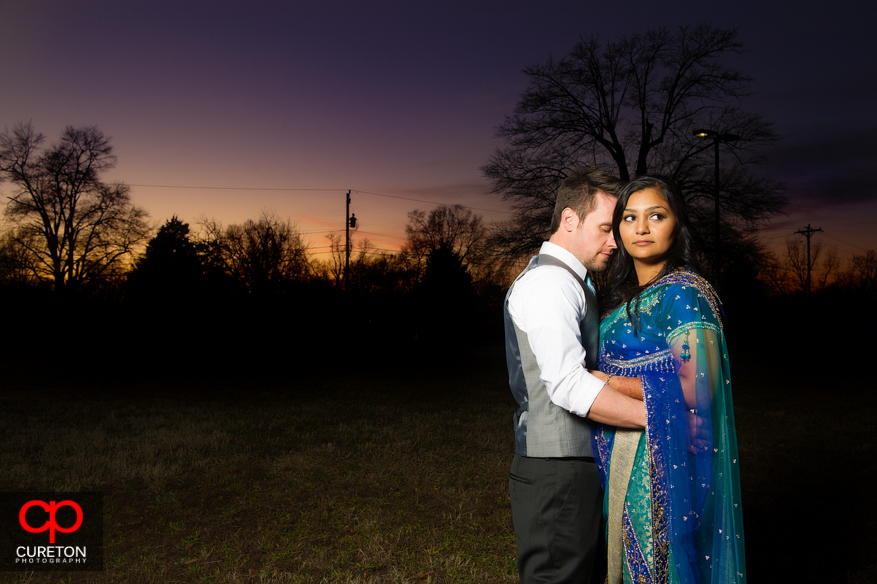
<point x="700" y="438"/>
<point x="629" y="386"/>
<point x="598" y="374"/>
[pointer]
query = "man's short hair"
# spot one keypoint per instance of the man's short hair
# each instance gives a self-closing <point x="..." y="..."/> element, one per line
<point x="579" y="193"/>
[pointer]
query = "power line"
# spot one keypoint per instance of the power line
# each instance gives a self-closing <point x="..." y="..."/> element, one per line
<point x="352" y="248"/>
<point x="785" y="235"/>
<point x="381" y="235"/>
<point x="811" y="231"/>
<point x="227" y="188"/>
<point x="212" y="188"/>
<point x="369" y="251"/>
<point x="358" y="232"/>
<point x="774" y="237"/>
<point x="845" y="242"/>
<point x="431" y="202"/>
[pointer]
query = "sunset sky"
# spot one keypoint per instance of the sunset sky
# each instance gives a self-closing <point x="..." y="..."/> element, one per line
<point x="287" y="105"/>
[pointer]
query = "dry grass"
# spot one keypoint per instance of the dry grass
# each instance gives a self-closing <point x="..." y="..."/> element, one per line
<point x="376" y="477"/>
<point x="351" y="480"/>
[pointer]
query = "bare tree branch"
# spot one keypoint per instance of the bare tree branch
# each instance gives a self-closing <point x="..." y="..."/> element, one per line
<point x="262" y="255"/>
<point x="75" y="228"/>
<point x="630" y="107"/>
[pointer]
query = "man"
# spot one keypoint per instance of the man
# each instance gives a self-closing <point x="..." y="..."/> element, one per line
<point x="552" y="325"/>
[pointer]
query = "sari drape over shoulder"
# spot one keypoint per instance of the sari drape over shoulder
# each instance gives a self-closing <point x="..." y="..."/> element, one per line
<point x="673" y="491"/>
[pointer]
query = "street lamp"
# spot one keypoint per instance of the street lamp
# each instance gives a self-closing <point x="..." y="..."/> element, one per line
<point x="718" y="138"/>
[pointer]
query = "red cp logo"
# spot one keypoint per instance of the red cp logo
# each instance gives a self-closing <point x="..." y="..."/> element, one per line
<point x="51" y="508"/>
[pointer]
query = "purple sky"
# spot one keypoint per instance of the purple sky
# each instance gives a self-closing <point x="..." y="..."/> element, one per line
<point x="401" y="99"/>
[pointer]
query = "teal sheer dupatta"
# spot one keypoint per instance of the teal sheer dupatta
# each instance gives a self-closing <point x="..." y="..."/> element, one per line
<point x="692" y="531"/>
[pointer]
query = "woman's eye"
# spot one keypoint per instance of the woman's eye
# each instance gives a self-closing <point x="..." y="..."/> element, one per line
<point x="656" y="217"/>
<point x="628" y="218"/>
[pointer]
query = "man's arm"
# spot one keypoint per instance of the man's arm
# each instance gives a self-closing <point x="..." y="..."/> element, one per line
<point x="614" y="409"/>
<point x="546" y="304"/>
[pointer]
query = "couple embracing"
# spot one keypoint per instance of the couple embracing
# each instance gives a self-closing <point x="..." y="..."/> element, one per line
<point x="625" y="449"/>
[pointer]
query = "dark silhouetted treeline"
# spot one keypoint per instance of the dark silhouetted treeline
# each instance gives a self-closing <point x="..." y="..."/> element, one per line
<point x="245" y="300"/>
<point x="251" y="299"/>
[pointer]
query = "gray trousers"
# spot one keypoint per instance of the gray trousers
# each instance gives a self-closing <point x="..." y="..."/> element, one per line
<point x="557" y="510"/>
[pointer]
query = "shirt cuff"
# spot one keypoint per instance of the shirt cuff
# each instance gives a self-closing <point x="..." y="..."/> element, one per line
<point x="582" y="392"/>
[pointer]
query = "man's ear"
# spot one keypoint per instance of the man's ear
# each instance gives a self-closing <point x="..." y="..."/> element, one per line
<point x="569" y="219"/>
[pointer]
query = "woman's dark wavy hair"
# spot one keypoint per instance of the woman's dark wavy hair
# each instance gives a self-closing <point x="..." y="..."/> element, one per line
<point x="622" y="282"/>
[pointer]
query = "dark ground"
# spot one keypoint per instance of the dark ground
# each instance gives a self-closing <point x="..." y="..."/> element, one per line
<point x="805" y="423"/>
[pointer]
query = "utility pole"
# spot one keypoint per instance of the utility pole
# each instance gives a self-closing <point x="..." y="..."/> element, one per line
<point x="808" y="233"/>
<point x="347" y="244"/>
<point x="349" y="221"/>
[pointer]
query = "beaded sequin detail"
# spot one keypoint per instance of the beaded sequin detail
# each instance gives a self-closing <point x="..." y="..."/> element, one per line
<point x="689" y="278"/>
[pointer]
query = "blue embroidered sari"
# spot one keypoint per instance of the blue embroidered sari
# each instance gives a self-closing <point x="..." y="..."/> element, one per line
<point x="672" y="491"/>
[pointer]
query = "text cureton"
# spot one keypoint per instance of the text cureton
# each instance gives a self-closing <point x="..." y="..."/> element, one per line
<point x="50" y="551"/>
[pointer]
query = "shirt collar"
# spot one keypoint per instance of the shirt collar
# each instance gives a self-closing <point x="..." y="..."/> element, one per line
<point x="566" y="257"/>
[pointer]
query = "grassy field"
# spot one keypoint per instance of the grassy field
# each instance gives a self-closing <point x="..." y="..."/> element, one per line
<point x="370" y="476"/>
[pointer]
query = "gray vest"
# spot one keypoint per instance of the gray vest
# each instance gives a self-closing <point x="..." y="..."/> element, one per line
<point x="542" y="428"/>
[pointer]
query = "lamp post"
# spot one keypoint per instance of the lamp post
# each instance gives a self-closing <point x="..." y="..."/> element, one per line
<point x="718" y="138"/>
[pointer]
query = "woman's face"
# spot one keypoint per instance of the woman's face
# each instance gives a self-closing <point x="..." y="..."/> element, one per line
<point x="648" y="227"/>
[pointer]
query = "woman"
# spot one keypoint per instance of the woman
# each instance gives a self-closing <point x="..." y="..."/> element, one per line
<point x="673" y="491"/>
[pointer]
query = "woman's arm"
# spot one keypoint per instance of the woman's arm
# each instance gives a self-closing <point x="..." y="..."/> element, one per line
<point x="629" y="386"/>
<point x="696" y="353"/>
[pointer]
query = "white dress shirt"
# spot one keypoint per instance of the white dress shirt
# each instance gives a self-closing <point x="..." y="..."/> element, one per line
<point x="548" y="304"/>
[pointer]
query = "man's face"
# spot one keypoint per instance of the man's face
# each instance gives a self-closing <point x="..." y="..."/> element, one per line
<point x="593" y="242"/>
